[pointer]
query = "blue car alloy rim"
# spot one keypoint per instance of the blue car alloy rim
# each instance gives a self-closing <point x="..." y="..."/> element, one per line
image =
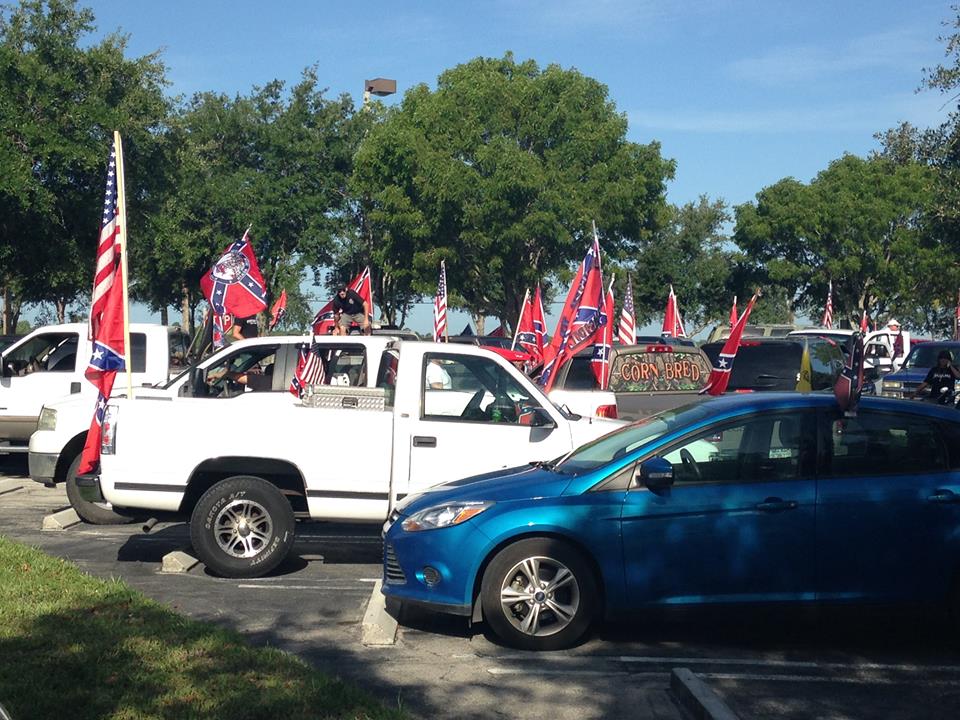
<point x="540" y="596"/>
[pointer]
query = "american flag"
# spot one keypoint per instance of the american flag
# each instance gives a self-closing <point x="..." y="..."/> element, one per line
<point x="440" y="305"/>
<point x="627" y="331"/>
<point x="108" y="250"/>
<point x="310" y="370"/>
<point x="827" y="321"/>
<point x="956" y="321"/>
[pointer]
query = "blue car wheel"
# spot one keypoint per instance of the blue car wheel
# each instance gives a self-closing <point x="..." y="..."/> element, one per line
<point x="539" y="594"/>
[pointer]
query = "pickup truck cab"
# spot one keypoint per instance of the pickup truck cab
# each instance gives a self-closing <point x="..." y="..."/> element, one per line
<point x="879" y="346"/>
<point x="50" y="362"/>
<point x="271" y="361"/>
<point x="437" y="412"/>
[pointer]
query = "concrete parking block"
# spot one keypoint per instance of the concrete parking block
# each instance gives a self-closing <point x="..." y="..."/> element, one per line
<point x="697" y="697"/>
<point x="178" y="562"/>
<point x="10" y="485"/>
<point x="379" y="628"/>
<point x="61" y="520"/>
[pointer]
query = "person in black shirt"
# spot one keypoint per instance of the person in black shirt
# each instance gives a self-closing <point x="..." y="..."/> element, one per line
<point x="943" y="375"/>
<point x="244" y="328"/>
<point x="350" y="308"/>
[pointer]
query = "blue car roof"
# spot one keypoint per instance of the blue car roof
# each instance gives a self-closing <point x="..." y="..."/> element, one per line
<point x="747" y="402"/>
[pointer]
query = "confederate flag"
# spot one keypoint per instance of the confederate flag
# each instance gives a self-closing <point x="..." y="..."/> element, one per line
<point x="720" y="374"/>
<point x="600" y="362"/>
<point x="278" y="310"/>
<point x="850" y="381"/>
<point x="324" y="320"/>
<point x="234" y="284"/>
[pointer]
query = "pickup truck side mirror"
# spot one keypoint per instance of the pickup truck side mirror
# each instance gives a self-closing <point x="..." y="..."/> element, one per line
<point x="6" y="370"/>
<point x="656" y="473"/>
<point x="542" y="419"/>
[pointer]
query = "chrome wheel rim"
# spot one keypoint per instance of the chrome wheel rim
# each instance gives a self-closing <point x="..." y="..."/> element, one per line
<point x="540" y="596"/>
<point x="243" y="528"/>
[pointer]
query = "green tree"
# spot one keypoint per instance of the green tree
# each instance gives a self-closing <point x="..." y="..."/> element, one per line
<point x="500" y="171"/>
<point x="859" y="223"/>
<point x="689" y="252"/>
<point x="60" y="100"/>
<point x="276" y="160"/>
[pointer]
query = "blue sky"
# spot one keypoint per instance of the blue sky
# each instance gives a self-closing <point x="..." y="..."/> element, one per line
<point x="739" y="93"/>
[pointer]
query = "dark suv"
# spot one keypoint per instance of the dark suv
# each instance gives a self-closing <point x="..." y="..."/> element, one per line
<point x="764" y="364"/>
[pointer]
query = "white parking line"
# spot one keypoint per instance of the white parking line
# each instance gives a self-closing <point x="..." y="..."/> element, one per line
<point x="901" y="667"/>
<point x="304" y="587"/>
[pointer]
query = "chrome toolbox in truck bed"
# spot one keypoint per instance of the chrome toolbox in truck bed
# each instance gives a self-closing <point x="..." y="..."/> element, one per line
<point x="348" y="398"/>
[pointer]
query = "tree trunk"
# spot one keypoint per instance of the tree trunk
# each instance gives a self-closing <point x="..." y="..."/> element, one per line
<point x="479" y="322"/>
<point x="187" y="322"/>
<point x="164" y="316"/>
<point x="61" y="310"/>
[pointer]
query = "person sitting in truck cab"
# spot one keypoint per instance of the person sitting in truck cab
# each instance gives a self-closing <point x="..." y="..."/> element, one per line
<point x="942" y="377"/>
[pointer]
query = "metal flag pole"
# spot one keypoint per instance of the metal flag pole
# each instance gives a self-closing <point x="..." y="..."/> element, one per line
<point x="523" y="308"/>
<point x="122" y="213"/>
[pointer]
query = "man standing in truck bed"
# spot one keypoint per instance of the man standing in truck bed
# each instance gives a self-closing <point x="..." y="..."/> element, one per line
<point x="350" y="308"/>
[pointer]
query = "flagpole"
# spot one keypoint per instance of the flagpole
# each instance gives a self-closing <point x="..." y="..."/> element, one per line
<point x="516" y="330"/>
<point x="122" y="217"/>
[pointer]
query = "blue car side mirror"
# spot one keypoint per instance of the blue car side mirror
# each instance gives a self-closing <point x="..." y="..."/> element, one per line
<point x="656" y="473"/>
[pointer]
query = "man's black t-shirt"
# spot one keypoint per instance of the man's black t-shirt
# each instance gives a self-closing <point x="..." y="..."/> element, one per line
<point x="938" y="378"/>
<point x="248" y="326"/>
<point x="352" y="304"/>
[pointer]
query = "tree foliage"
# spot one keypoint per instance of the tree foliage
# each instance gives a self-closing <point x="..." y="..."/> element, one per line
<point x="60" y="100"/>
<point x="859" y="223"/>
<point x="275" y="160"/>
<point x="500" y="171"/>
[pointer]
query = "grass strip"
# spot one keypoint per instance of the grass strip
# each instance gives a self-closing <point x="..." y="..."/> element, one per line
<point x="74" y="646"/>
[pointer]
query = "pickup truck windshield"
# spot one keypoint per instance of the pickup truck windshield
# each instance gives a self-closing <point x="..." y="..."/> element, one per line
<point x="925" y="356"/>
<point x="621" y="442"/>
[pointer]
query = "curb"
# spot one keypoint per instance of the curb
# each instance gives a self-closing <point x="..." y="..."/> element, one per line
<point x="9" y="486"/>
<point x="61" y="520"/>
<point x="379" y="628"/>
<point x="178" y="562"/>
<point x="698" y="698"/>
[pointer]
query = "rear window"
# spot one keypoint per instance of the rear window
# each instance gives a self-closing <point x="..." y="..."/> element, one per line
<point x="658" y="372"/>
<point x="764" y="366"/>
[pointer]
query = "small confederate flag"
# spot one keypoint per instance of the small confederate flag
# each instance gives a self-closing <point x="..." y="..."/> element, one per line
<point x="672" y="322"/>
<point x="234" y="285"/>
<point x="720" y="374"/>
<point x="440" y="305"/>
<point x="278" y="310"/>
<point x="310" y="369"/>
<point x="627" y="332"/>
<point x="733" y="312"/>
<point x="600" y="362"/>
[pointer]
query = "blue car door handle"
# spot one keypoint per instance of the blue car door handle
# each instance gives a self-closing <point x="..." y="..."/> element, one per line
<point x="775" y="504"/>
<point x="943" y="496"/>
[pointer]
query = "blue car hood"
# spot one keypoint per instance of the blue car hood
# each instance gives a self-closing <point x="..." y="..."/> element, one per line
<point x="911" y="375"/>
<point x="519" y="483"/>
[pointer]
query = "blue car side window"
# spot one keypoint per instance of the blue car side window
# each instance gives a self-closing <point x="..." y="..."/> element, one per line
<point x="884" y="444"/>
<point x="764" y="448"/>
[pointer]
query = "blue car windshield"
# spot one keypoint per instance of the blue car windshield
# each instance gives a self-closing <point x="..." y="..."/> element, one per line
<point x="627" y="439"/>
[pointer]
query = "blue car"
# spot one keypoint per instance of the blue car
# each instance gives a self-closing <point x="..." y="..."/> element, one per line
<point x="766" y="498"/>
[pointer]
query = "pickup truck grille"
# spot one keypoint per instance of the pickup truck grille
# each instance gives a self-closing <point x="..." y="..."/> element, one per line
<point x="393" y="573"/>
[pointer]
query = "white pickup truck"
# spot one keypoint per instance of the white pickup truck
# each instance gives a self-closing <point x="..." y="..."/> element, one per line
<point x="245" y="471"/>
<point x="56" y="445"/>
<point x="50" y="362"/>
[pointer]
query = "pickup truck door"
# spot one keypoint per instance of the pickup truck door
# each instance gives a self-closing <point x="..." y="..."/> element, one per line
<point x="38" y="369"/>
<point x="473" y="417"/>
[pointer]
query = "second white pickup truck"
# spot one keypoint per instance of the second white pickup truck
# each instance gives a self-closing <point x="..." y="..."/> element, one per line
<point x="438" y="412"/>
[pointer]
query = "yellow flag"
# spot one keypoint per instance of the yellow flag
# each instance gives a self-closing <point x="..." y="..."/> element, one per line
<point x="803" y="379"/>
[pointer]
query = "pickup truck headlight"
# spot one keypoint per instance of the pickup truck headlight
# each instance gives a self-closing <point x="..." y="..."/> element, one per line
<point x="441" y="516"/>
<point x="892" y="385"/>
<point x="48" y="419"/>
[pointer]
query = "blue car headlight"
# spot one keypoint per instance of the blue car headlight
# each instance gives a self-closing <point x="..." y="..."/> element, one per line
<point x="440" y="516"/>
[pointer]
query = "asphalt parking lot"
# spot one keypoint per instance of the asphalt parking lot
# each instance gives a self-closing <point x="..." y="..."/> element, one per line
<point x="773" y="664"/>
